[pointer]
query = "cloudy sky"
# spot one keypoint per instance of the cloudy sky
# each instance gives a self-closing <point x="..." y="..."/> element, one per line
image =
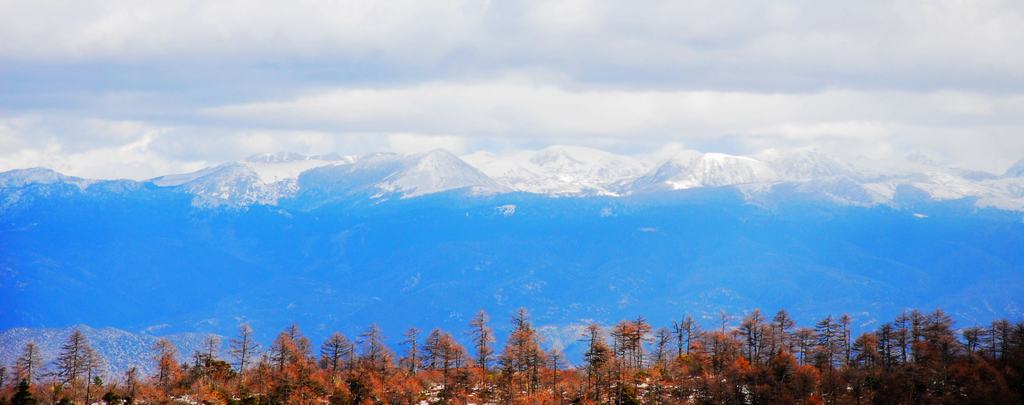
<point x="134" y="89"/>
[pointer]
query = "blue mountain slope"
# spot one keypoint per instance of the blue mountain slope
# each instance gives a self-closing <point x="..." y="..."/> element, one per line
<point x="139" y="256"/>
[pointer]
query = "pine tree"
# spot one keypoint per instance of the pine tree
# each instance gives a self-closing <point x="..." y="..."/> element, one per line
<point x="845" y="337"/>
<point x="131" y="381"/>
<point x="211" y="347"/>
<point x="243" y="349"/>
<point x="165" y="355"/>
<point x="687" y="332"/>
<point x="71" y="362"/>
<point x="596" y="357"/>
<point x="522" y="356"/>
<point x="782" y="326"/>
<point x="662" y="340"/>
<point x="27" y="366"/>
<point x="94" y="365"/>
<point x="752" y="331"/>
<point x="412" y="355"/>
<point x="866" y="351"/>
<point x="483" y="338"/>
<point x="804" y="341"/>
<point x="973" y="336"/>
<point x="827" y="331"/>
<point x="556" y="362"/>
<point x="374" y="353"/>
<point x="23" y="396"/>
<point x="333" y="355"/>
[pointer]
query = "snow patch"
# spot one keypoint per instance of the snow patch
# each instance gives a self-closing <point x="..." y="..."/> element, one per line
<point x="507" y="210"/>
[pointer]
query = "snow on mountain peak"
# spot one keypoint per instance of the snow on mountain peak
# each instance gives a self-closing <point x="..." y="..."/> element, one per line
<point x="436" y="171"/>
<point x="259" y="179"/>
<point x="804" y="164"/>
<point x="559" y="170"/>
<point x="706" y="170"/>
<point x="35" y="175"/>
<point x="382" y="174"/>
<point x="265" y="179"/>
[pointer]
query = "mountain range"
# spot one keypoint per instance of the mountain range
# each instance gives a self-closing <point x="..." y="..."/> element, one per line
<point x="574" y="234"/>
<point x="560" y="171"/>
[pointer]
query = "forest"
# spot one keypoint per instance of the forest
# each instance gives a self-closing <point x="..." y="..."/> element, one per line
<point x="917" y="358"/>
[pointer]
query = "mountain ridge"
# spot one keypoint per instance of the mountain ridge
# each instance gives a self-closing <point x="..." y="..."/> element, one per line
<point x="562" y="171"/>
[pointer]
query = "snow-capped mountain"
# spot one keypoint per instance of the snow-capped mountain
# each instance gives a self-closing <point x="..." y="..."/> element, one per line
<point x="22" y="186"/>
<point x="804" y="164"/>
<point x="705" y="170"/>
<point x="557" y="171"/>
<point x="23" y="177"/>
<point x="259" y="179"/>
<point x="560" y="170"/>
<point x="384" y="174"/>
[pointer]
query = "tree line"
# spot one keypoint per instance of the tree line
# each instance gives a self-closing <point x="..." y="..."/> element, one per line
<point x="916" y="358"/>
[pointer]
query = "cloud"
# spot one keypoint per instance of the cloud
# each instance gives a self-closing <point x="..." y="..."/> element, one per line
<point x="91" y="86"/>
<point x="962" y="126"/>
<point x="130" y="157"/>
<point x="137" y="150"/>
<point x="724" y="43"/>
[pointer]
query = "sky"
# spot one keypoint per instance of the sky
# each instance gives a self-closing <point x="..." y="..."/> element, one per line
<point x="136" y="89"/>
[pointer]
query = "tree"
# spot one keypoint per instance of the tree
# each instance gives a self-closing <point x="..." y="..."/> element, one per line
<point x="23" y="396"/>
<point x="211" y="346"/>
<point x="283" y="350"/>
<point x="828" y="346"/>
<point x="596" y="357"/>
<point x="522" y="356"/>
<point x="973" y="337"/>
<point x="27" y="365"/>
<point x="661" y="354"/>
<point x="687" y="332"/>
<point x="752" y="329"/>
<point x="242" y="349"/>
<point x="374" y="352"/>
<point x="804" y="341"/>
<point x="94" y="365"/>
<point x="431" y="350"/>
<point x="556" y="361"/>
<point x="844" y="337"/>
<point x="445" y="354"/>
<point x="483" y="337"/>
<point x="293" y="372"/>
<point x="131" y="381"/>
<point x="375" y="357"/>
<point x="827" y="331"/>
<point x="165" y="355"/>
<point x="865" y="351"/>
<point x="333" y="354"/>
<point x="412" y="355"/>
<point x="71" y="362"/>
<point x="782" y="332"/>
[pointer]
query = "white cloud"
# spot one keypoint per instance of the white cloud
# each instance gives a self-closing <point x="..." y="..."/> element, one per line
<point x="124" y="29"/>
<point x="133" y="159"/>
<point x="207" y="81"/>
<point x="764" y="42"/>
<point x="963" y="126"/>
